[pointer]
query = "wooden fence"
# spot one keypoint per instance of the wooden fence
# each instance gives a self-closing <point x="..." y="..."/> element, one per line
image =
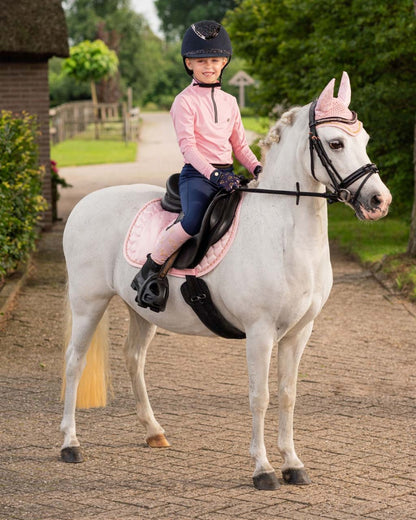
<point x="102" y="121"/>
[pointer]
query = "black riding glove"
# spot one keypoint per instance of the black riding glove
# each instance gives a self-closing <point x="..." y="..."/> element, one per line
<point x="225" y="179"/>
<point x="257" y="170"/>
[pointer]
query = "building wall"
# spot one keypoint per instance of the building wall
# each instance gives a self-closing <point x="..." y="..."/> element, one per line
<point x="24" y="86"/>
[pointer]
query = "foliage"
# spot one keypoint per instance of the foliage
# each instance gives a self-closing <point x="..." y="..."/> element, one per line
<point x="401" y="270"/>
<point x="78" y="152"/>
<point x="83" y="16"/>
<point x="296" y="46"/>
<point x="63" y="88"/>
<point x="171" y="78"/>
<point x="380" y="245"/>
<point x="90" y="61"/>
<point x="141" y="54"/>
<point x="368" y="241"/>
<point x="152" y="67"/>
<point x="57" y="180"/>
<point x="20" y="189"/>
<point x="178" y="15"/>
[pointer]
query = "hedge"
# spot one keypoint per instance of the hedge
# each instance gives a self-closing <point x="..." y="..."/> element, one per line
<point x="21" y="200"/>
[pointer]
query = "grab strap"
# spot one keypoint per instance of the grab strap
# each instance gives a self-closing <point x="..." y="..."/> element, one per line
<point x="196" y="294"/>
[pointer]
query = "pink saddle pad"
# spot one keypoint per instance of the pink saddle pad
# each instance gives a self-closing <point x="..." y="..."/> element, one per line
<point x="151" y="220"/>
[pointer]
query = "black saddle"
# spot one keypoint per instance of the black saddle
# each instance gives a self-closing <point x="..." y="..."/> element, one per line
<point x="216" y="222"/>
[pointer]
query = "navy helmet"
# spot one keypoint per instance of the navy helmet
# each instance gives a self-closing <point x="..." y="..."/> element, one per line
<point x="206" y="39"/>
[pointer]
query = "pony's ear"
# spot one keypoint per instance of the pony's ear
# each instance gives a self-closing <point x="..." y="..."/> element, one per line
<point x="326" y="96"/>
<point x="344" y="92"/>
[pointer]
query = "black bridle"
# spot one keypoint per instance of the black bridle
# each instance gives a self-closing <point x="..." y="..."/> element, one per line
<point x="340" y="192"/>
<point x="339" y="184"/>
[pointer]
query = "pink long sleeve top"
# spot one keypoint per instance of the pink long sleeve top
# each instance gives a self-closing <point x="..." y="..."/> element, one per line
<point x="209" y="129"/>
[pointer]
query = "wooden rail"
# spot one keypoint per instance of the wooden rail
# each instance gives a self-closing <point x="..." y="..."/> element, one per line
<point x="102" y="121"/>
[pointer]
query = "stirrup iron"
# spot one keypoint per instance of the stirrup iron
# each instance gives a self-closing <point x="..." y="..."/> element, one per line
<point x="153" y="293"/>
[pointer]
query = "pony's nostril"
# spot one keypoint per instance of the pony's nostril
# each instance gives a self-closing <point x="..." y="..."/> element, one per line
<point x="375" y="201"/>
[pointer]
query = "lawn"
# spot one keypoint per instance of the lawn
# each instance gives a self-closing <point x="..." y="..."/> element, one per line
<point x="381" y="245"/>
<point x="78" y="152"/>
<point x="367" y="241"/>
<point x="260" y="125"/>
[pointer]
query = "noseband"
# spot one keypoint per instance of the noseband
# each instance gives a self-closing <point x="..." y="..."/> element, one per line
<point x="339" y="184"/>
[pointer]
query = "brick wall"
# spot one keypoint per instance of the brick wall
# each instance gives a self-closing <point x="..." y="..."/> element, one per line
<point x="24" y="86"/>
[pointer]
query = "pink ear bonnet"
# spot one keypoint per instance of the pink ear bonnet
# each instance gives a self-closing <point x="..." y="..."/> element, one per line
<point x="330" y="106"/>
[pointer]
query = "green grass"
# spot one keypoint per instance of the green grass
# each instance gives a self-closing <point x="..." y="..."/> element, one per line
<point x="382" y="245"/>
<point x="368" y="241"/>
<point x="260" y="125"/>
<point x="78" y="152"/>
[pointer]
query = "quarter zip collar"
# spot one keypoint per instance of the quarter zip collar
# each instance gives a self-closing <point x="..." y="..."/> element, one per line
<point x="206" y="85"/>
<point x="212" y="86"/>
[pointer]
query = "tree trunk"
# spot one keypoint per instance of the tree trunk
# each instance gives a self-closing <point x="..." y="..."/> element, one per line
<point x="411" y="246"/>
<point x="94" y="102"/>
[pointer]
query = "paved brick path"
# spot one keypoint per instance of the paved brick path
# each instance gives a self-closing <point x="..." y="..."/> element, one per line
<point x="354" y="419"/>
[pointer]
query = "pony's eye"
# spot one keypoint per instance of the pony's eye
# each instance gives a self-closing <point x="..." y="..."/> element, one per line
<point x="336" y="144"/>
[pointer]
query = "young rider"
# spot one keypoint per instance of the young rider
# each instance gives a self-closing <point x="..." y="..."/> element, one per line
<point x="208" y="127"/>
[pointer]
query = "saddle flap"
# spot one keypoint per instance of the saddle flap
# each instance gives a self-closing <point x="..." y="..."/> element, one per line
<point x="216" y="222"/>
<point x="171" y="201"/>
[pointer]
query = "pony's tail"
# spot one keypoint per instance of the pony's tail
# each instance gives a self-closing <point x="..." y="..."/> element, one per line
<point x="95" y="379"/>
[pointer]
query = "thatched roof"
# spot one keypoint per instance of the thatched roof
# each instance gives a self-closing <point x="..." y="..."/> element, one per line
<point x="32" y="29"/>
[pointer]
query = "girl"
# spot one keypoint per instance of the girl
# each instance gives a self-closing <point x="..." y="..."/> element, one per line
<point x="209" y="129"/>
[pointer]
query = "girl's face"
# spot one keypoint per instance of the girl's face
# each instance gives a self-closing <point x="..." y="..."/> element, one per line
<point x="206" y="70"/>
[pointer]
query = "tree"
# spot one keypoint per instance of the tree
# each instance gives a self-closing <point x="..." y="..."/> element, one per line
<point x="296" y="46"/>
<point x="178" y="15"/>
<point x="411" y="248"/>
<point x="91" y="61"/>
<point x="83" y="16"/>
<point x="141" y="53"/>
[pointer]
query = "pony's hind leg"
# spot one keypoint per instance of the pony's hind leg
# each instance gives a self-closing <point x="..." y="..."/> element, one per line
<point x="141" y="333"/>
<point x="84" y="324"/>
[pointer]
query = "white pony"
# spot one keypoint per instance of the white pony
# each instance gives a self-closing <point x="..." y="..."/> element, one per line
<point x="272" y="283"/>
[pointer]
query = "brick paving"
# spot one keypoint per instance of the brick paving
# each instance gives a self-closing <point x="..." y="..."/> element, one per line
<point x="354" y="421"/>
<point x="354" y="418"/>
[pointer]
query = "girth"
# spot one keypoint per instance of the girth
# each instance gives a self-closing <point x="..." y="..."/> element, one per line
<point x="216" y="222"/>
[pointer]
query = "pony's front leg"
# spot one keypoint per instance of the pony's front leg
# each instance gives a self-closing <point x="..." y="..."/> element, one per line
<point x="289" y="355"/>
<point x="259" y="348"/>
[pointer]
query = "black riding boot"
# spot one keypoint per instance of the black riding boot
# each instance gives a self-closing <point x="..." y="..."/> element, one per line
<point x="152" y="291"/>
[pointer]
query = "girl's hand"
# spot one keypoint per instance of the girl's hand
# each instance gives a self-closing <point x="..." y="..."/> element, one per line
<point x="226" y="180"/>
<point x="257" y="170"/>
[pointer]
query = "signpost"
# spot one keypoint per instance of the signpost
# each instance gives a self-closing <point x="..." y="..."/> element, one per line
<point x="242" y="80"/>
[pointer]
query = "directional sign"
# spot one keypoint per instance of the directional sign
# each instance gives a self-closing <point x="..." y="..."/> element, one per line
<point x="242" y="80"/>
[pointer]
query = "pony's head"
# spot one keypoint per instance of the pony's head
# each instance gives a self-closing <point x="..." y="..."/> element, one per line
<point x="338" y="154"/>
<point x="335" y="156"/>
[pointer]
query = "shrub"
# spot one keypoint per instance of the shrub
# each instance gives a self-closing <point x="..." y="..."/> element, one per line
<point x="20" y="189"/>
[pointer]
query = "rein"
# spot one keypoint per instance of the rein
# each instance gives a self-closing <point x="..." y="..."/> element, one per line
<point x="339" y="185"/>
<point x="332" y="197"/>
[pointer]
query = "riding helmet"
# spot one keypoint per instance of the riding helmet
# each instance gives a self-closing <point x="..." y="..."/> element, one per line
<point x="206" y="39"/>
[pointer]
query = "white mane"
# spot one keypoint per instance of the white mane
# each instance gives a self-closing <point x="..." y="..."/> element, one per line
<point x="276" y="130"/>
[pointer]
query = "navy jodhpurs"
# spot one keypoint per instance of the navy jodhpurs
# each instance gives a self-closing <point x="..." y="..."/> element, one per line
<point x="196" y="193"/>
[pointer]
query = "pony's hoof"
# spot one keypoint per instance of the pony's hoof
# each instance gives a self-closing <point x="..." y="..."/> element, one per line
<point x="72" y="454"/>
<point x="298" y="477"/>
<point x="266" y="481"/>
<point x="158" y="441"/>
